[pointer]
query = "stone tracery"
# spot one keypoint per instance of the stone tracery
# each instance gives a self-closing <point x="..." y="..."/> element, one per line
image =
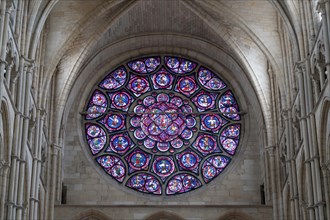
<point x="172" y="129"/>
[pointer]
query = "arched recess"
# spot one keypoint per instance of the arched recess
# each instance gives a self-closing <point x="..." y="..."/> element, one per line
<point x="92" y="214"/>
<point x="118" y="52"/>
<point x="325" y="132"/>
<point x="4" y="136"/>
<point x="233" y="215"/>
<point x="324" y="149"/>
<point x="164" y="215"/>
<point x="5" y="152"/>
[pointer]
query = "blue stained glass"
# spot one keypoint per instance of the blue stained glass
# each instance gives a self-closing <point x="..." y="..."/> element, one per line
<point x="230" y="138"/>
<point x="186" y="85"/>
<point x="146" y="183"/>
<point x="144" y="65"/>
<point x="114" y="80"/>
<point x="212" y="122"/>
<point x="114" y="166"/>
<point x="165" y="127"/>
<point x="204" y="100"/>
<point x="138" y="85"/>
<point x="162" y="80"/>
<point x="95" y="137"/>
<point x="97" y="105"/>
<point x="180" y="65"/>
<point x="209" y="80"/>
<point x="228" y="106"/>
<point x="213" y="166"/>
<point x="182" y="183"/>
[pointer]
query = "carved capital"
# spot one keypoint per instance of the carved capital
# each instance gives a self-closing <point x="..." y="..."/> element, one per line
<point x="56" y="149"/>
<point x="271" y="150"/>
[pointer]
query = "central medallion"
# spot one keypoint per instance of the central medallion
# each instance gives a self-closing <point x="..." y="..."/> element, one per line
<point x="163" y="120"/>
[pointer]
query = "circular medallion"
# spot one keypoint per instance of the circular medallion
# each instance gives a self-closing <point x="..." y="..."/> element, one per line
<point x="139" y="85"/>
<point x="114" y="122"/>
<point x="120" y="143"/>
<point x="152" y="185"/>
<point x="138" y="160"/>
<point x="121" y="100"/>
<point x="175" y="185"/>
<point x="188" y="160"/>
<point x="163" y="166"/>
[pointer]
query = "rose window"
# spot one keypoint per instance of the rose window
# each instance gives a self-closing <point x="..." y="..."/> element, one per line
<point x="162" y="125"/>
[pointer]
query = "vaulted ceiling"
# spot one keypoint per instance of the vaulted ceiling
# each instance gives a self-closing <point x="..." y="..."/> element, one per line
<point x="246" y="30"/>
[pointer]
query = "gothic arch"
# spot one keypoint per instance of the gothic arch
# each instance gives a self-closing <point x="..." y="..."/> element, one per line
<point x="164" y="215"/>
<point x="233" y="215"/>
<point x="4" y="136"/>
<point x="325" y="132"/>
<point x="92" y="214"/>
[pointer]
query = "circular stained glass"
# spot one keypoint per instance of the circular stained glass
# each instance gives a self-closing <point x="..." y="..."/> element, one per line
<point x="162" y="125"/>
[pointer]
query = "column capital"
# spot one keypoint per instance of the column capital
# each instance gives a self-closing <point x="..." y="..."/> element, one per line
<point x="271" y="150"/>
<point x="56" y="148"/>
<point x="300" y="67"/>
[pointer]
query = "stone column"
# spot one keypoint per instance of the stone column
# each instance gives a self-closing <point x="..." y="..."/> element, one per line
<point x="8" y="72"/>
<point x="271" y="153"/>
<point x="36" y="165"/>
<point x="315" y="163"/>
<point x="22" y="179"/>
<point x="4" y="38"/>
<point x="2" y="21"/>
<point x="325" y="173"/>
<point x="4" y="168"/>
<point x="292" y="167"/>
<point x="306" y="146"/>
<point x="316" y="85"/>
<point x="14" y="168"/>
<point x="52" y="191"/>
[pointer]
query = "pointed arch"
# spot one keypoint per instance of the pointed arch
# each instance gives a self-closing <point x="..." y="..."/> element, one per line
<point x="4" y="135"/>
<point x="234" y="215"/>
<point x="164" y="215"/>
<point x="92" y="214"/>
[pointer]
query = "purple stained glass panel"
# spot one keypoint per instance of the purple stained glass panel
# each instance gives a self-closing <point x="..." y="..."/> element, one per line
<point x="114" y="166"/>
<point x="209" y="80"/>
<point x="114" y="80"/>
<point x="144" y="65"/>
<point x="165" y="127"/>
<point x="145" y="182"/>
<point x="138" y="85"/>
<point x="186" y="85"/>
<point x="228" y="106"/>
<point x="97" y="105"/>
<point x="230" y="138"/>
<point x="180" y="65"/>
<point x="96" y="138"/>
<point x="182" y="183"/>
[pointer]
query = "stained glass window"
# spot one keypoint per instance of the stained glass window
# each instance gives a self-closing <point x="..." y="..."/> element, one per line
<point x="162" y="125"/>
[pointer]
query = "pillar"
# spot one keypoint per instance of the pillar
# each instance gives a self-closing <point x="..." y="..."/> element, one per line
<point x="306" y="146"/>
<point x="4" y="168"/>
<point x="21" y="175"/>
<point x="271" y="153"/>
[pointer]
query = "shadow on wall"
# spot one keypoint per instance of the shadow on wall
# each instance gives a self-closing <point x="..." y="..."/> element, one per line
<point x="92" y="215"/>
<point x="162" y="215"/>
<point x="235" y="216"/>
